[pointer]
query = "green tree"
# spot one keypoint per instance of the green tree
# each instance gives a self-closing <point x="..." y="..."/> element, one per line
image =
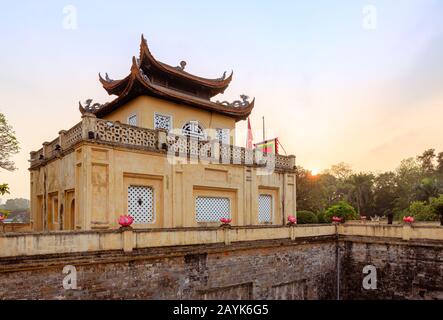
<point x="437" y="205"/>
<point x="8" y="147"/>
<point x="426" y="161"/>
<point x="342" y="210"/>
<point x="422" y="211"/>
<point x="361" y="193"/>
<point x="427" y="189"/>
<point x="310" y="193"/>
<point x="408" y="175"/>
<point x="4" y="189"/>
<point x="440" y="163"/>
<point x="385" y="194"/>
<point x="341" y="171"/>
<point x="18" y="204"/>
<point x="8" y="144"/>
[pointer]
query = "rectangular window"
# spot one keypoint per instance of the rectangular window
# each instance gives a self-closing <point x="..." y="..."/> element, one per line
<point x="212" y="209"/>
<point x="265" y="208"/>
<point x="55" y="210"/>
<point x="223" y="135"/>
<point x="132" y="120"/>
<point x="141" y="204"/>
<point x="162" y="121"/>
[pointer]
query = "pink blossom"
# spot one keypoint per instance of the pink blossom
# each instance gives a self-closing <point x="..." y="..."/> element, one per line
<point x="292" y="220"/>
<point x="408" y="219"/>
<point x="225" y="220"/>
<point x="337" y="219"/>
<point x="125" y="220"/>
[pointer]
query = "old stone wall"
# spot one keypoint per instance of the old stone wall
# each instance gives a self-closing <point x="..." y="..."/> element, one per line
<point x="273" y="269"/>
<point x="405" y="269"/>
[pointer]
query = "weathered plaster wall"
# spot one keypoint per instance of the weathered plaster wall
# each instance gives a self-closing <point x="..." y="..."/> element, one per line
<point x="302" y="269"/>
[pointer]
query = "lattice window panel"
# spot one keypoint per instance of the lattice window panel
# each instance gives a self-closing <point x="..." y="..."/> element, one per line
<point x="141" y="204"/>
<point x="132" y="120"/>
<point x="265" y="208"/>
<point x="222" y="135"/>
<point x="194" y="130"/>
<point x="212" y="209"/>
<point x="162" y="122"/>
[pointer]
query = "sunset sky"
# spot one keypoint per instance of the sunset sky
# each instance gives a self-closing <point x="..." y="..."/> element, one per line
<point x="329" y="87"/>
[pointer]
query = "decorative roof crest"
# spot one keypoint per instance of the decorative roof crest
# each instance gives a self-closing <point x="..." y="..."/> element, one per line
<point x="244" y="102"/>
<point x="90" y="107"/>
<point x="182" y="66"/>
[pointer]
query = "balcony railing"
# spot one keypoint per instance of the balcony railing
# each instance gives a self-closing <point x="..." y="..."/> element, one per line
<point x="116" y="133"/>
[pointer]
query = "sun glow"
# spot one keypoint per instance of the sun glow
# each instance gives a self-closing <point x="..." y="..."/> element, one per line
<point x="315" y="171"/>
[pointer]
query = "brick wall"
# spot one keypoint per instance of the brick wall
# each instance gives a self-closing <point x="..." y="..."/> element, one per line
<point x="405" y="270"/>
<point x="301" y="269"/>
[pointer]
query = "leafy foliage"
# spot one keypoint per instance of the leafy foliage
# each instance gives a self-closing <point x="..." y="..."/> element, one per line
<point x="342" y="210"/>
<point x="4" y="189"/>
<point x="421" y="211"/>
<point x="8" y="144"/>
<point x="306" y="217"/>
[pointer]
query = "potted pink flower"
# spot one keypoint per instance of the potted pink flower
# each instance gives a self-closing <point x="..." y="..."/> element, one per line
<point x="225" y="222"/>
<point x="408" y="219"/>
<point x="125" y="221"/>
<point x="292" y="220"/>
<point x="337" y="220"/>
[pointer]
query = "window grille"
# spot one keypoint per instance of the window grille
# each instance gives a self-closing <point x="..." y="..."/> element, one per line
<point x="265" y="208"/>
<point x="162" y="122"/>
<point x="194" y="130"/>
<point x="212" y="209"/>
<point x="132" y="120"/>
<point x="222" y="135"/>
<point x="141" y="204"/>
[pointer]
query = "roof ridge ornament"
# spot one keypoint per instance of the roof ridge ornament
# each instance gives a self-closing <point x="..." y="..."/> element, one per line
<point x="89" y="107"/>
<point x="244" y="102"/>
<point x="223" y="77"/>
<point x="182" y="66"/>
<point x="107" y="78"/>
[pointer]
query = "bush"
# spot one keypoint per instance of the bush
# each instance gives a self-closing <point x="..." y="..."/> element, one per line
<point x="321" y="217"/>
<point x="342" y="210"/>
<point x="306" y="217"/>
<point x="421" y="211"/>
<point x="437" y="205"/>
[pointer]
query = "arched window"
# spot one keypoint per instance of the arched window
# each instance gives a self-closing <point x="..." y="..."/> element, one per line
<point x="194" y="130"/>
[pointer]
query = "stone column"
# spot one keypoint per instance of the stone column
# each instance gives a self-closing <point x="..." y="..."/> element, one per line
<point x="46" y="151"/>
<point x="62" y="141"/>
<point x="89" y="124"/>
<point x="128" y="239"/>
<point x="292" y="232"/>
<point x="292" y="161"/>
<point x="406" y="232"/>
<point x="162" y="134"/>
<point x="226" y="235"/>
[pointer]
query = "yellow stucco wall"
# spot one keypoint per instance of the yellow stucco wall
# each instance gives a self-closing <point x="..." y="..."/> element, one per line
<point x="145" y="107"/>
<point x="97" y="177"/>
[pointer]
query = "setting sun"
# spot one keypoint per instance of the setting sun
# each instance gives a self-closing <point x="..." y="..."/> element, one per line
<point x="315" y="171"/>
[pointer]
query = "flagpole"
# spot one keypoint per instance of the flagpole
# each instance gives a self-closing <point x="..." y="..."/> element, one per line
<point x="264" y="136"/>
